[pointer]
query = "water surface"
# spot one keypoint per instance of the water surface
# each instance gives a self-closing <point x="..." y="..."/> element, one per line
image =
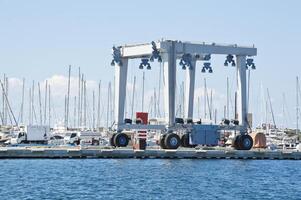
<point x="149" y="179"/>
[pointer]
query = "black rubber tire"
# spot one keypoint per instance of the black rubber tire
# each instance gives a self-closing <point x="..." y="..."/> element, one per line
<point x="185" y="140"/>
<point x="162" y="142"/>
<point x="246" y="142"/>
<point x="236" y="142"/>
<point x="172" y="141"/>
<point x="112" y="140"/>
<point x="121" y="140"/>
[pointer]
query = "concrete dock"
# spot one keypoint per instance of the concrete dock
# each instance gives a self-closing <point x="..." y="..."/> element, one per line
<point x="97" y="152"/>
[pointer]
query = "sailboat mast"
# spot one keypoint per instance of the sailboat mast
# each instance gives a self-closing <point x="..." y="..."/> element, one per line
<point x="79" y="99"/>
<point x="65" y="109"/>
<point x="283" y="110"/>
<point x="297" y="106"/>
<point x="235" y="106"/>
<point x="68" y="97"/>
<point x="6" y="97"/>
<point x="45" y="106"/>
<point x="49" y="107"/>
<point x="7" y="103"/>
<point x="74" y="113"/>
<point x="29" y="110"/>
<point x="266" y="115"/>
<point x="85" y="103"/>
<point x="98" y="105"/>
<point x="108" y="104"/>
<point x="32" y="103"/>
<point x="209" y="106"/>
<point x="22" y="104"/>
<point x="40" y="104"/>
<point x="93" y="107"/>
<point x="112" y="90"/>
<point x="270" y="102"/>
<point x="133" y="97"/>
<point x="155" y="104"/>
<point x="215" y="116"/>
<point x="8" y="108"/>
<point x="262" y="102"/>
<point x="112" y="97"/>
<point x="3" y="101"/>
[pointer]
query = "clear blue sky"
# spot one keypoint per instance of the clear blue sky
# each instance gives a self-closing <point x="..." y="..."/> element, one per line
<point x="40" y="38"/>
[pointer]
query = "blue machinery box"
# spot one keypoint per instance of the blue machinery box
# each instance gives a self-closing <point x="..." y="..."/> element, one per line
<point x="204" y="135"/>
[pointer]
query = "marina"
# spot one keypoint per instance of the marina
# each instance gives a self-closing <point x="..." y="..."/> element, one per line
<point x="143" y="134"/>
<point x="150" y="100"/>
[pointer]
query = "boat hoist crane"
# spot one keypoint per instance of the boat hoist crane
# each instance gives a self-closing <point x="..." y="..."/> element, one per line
<point x="175" y="132"/>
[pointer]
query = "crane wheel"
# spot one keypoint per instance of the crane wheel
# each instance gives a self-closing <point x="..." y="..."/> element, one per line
<point x="185" y="140"/>
<point x="112" y="142"/>
<point x="236" y="142"/>
<point x="121" y="140"/>
<point x="162" y="142"/>
<point x="172" y="141"/>
<point x="246" y="142"/>
<point x="243" y="142"/>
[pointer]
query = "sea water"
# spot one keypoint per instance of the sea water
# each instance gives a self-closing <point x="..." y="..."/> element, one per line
<point x="149" y="179"/>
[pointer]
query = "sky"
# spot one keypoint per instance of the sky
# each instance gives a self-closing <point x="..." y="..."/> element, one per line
<point x="40" y="39"/>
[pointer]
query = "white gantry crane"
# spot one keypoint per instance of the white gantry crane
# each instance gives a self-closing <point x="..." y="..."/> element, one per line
<point x="168" y="52"/>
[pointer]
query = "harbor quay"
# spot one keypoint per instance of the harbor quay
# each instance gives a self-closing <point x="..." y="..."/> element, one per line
<point x="181" y="153"/>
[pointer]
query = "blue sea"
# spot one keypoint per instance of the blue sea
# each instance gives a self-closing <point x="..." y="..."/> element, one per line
<point x="149" y="179"/>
